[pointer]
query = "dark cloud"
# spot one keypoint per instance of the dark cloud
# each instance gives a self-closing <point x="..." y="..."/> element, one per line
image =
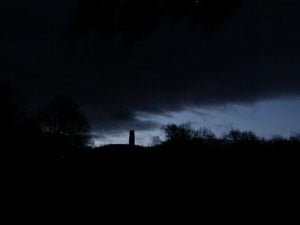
<point x="250" y="55"/>
<point x="134" y="19"/>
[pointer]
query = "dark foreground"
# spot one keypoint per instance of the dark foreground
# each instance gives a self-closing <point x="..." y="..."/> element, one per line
<point x="283" y="152"/>
<point x="202" y="153"/>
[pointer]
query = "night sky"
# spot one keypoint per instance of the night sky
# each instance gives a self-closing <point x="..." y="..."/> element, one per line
<point x="220" y="64"/>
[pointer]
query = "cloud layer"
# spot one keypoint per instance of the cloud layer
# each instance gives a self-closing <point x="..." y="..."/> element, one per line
<point x="252" y="55"/>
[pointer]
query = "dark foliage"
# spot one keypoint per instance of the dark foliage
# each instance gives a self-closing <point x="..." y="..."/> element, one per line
<point x="181" y="133"/>
<point x="59" y="130"/>
<point x="62" y="120"/>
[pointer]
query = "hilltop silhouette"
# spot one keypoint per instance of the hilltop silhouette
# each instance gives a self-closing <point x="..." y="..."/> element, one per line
<point x="60" y="131"/>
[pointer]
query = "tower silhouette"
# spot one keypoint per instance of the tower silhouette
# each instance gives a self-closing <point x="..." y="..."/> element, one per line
<point x="131" y="138"/>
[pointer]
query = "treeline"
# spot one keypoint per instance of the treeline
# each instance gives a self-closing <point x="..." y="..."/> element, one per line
<point x="56" y="129"/>
<point x="59" y="130"/>
<point x="184" y="143"/>
<point x="185" y="134"/>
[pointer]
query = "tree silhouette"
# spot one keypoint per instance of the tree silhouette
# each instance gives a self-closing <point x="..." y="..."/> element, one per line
<point x="295" y="138"/>
<point x="185" y="133"/>
<point x="63" y="120"/>
<point x="205" y="133"/>
<point x="236" y="136"/>
<point x="155" y="141"/>
<point x="179" y="133"/>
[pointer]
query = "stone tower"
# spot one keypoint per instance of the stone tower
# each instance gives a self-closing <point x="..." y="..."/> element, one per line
<point x="131" y="138"/>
